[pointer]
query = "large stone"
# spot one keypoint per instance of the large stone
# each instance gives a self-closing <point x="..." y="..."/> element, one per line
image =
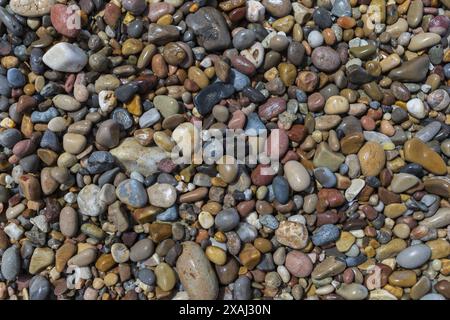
<point x="134" y="157"/>
<point x="65" y="57"/>
<point x="210" y="28"/>
<point x="418" y="152"/>
<point x="196" y="274"/>
<point x="31" y="8"/>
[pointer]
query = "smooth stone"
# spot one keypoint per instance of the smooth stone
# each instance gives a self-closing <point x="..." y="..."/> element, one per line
<point x="196" y="274"/>
<point x="11" y="262"/>
<point x="418" y="152"/>
<point x="227" y="219"/>
<point x="325" y="59"/>
<point x="414" y="70"/>
<point x="354" y="189"/>
<point x="88" y="201"/>
<point x="325" y="234"/>
<point x="132" y="193"/>
<point x="292" y="234"/>
<point x="371" y="158"/>
<point x="439" y="220"/>
<point x="428" y="132"/>
<point x="39" y="288"/>
<point x="416" y="108"/>
<point x="165" y="276"/>
<point x="142" y="250"/>
<point x="149" y="118"/>
<point x="210" y="28"/>
<point x="329" y="267"/>
<point x="281" y="189"/>
<point x="352" y="291"/>
<point x="166" y="105"/>
<point x="68" y="222"/>
<point x="296" y="175"/>
<point x="403" y="181"/>
<point x="298" y="264"/>
<point x="41" y="259"/>
<point x="242" y="288"/>
<point x="325" y="177"/>
<point x="65" y="57"/>
<point x="32" y="8"/>
<point x="414" y="256"/>
<point x="162" y="195"/>
<point x="208" y="97"/>
<point x="66" y="102"/>
<point x="325" y="157"/>
<point x="423" y="40"/>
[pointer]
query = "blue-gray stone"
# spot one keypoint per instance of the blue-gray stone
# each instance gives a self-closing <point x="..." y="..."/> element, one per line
<point x="10" y="137"/>
<point x="266" y="263"/>
<point x="355" y="261"/>
<point x="15" y="78"/>
<point x="39" y="288"/>
<point x="147" y="276"/>
<point x="208" y="97"/>
<point x="239" y="80"/>
<point x="433" y="296"/>
<point x="325" y="176"/>
<point x="242" y="288"/>
<point x="269" y="221"/>
<point x="10" y="22"/>
<point x="246" y="232"/>
<point x="341" y="8"/>
<point x="149" y="118"/>
<point x="170" y="214"/>
<point x="414" y="256"/>
<point x="50" y="141"/>
<point x="301" y="96"/>
<point x="5" y="88"/>
<point x="122" y="117"/>
<point x="244" y="39"/>
<point x="428" y="132"/>
<point x="227" y="219"/>
<point x="100" y="161"/>
<point x="325" y="234"/>
<point x="51" y="89"/>
<point x="11" y="263"/>
<point x="254" y="95"/>
<point x="254" y="125"/>
<point x="44" y="116"/>
<point x="125" y="92"/>
<point x="281" y="189"/>
<point x="36" y="63"/>
<point x="132" y="192"/>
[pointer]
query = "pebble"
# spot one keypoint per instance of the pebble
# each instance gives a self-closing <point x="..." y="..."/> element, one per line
<point x="196" y="274"/>
<point x="132" y="193"/>
<point x="414" y="256"/>
<point x="65" y="57"/>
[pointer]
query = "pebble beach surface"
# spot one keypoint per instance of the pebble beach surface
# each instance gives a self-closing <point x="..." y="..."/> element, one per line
<point x="96" y="96"/>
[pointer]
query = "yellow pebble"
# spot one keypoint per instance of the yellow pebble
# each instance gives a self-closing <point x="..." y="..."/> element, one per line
<point x="165" y="20"/>
<point x="193" y="8"/>
<point x="388" y="146"/>
<point x="216" y="255"/>
<point x="396" y="291"/>
<point x="135" y="106"/>
<point x="128" y="18"/>
<point x="7" y="123"/>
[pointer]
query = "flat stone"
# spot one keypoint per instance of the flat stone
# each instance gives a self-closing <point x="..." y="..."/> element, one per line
<point x="325" y="157"/>
<point x="414" y="256"/>
<point x="371" y="158"/>
<point x="403" y="181"/>
<point x="210" y="28"/>
<point x="418" y="152"/>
